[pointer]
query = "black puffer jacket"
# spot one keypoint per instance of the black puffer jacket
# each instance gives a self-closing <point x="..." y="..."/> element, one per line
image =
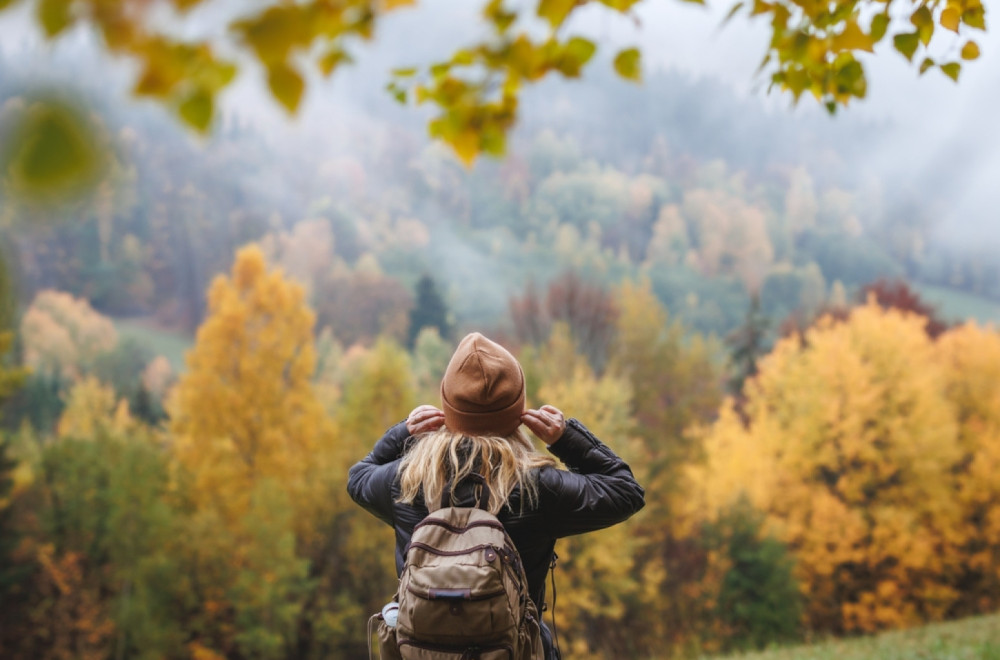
<point x="598" y="491"/>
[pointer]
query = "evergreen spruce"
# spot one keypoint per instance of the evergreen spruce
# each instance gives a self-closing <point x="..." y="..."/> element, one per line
<point x="429" y="311"/>
<point x="747" y="344"/>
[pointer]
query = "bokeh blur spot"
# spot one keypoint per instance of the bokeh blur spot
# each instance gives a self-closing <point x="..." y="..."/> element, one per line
<point x="49" y="153"/>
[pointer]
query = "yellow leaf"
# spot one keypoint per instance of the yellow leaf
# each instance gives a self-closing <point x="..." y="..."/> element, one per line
<point x="555" y="11"/>
<point x="54" y="15"/>
<point x="970" y="51"/>
<point x="950" y="18"/>
<point x="466" y="145"/>
<point x="852" y="38"/>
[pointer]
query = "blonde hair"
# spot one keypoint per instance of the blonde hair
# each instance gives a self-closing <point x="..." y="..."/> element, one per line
<point x="444" y="456"/>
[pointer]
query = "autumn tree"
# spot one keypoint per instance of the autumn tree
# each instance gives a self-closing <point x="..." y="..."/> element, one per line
<point x="359" y="304"/>
<point x="256" y="454"/>
<point x="358" y="573"/>
<point x="596" y="574"/>
<point x="98" y="540"/>
<point x="897" y="294"/>
<point x="851" y="452"/>
<point x="587" y="309"/>
<point x="970" y="357"/>
<point x="64" y="336"/>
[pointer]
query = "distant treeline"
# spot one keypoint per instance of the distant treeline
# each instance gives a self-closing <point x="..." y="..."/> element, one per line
<point x="709" y="197"/>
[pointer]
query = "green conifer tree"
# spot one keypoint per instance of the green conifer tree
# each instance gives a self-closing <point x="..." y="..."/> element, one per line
<point x="430" y="311"/>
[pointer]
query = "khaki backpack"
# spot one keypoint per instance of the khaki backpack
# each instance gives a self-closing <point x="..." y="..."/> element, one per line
<point x="463" y="594"/>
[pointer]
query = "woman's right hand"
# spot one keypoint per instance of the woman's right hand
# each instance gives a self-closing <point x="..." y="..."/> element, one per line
<point x="424" y="419"/>
<point x="548" y="423"/>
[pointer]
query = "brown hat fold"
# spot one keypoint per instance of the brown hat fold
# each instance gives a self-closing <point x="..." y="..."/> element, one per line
<point x="482" y="392"/>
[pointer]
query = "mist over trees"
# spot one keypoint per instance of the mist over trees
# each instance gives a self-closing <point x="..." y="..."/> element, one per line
<point x="713" y="287"/>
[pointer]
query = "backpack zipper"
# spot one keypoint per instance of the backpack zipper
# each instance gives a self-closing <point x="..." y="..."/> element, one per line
<point x="486" y="596"/>
<point x="458" y="530"/>
<point x="447" y="553"/>
<point x="468" y="652"/>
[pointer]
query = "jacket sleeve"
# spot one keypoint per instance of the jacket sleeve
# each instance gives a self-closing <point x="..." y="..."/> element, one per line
<point x="597" y="491"/>
<point x="369" y="482"/>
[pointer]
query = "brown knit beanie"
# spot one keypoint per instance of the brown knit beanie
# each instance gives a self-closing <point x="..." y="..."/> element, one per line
<point x="482" y="392"/>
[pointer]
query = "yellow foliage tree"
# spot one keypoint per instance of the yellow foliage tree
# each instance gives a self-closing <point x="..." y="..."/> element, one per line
<point x="850" y="450"/>
<point x="255" y="452"/>
<point x="359" y="573"/>
<point x="595" y="572"/>
<point x="246" y="409"/>
<point x="971" y="359"/>
<point x="63" y="335"/>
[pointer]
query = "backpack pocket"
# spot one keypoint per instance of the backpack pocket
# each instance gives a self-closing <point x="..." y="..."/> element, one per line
<point x="414" y="650"/>
<point x="388" y="648"/>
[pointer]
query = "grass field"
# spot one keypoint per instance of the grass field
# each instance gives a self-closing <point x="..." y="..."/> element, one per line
<point x="956" y="305"/>
<point x="976" y="638"/>
<point x="170" y="345"/>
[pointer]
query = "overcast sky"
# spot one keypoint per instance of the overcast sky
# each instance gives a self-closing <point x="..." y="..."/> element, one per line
<point x="946" y="132"/>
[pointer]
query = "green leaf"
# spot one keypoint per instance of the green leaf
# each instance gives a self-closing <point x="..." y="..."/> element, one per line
<point x="197" y="109"/>
<point x="923" y="20"/>
<point x="6" y="3"/>
<point x="921" y="17"/>
<point x="951" y="69"/>
<point x="397" y="92"/>
<point x="970" y="51"/>
<point x="628" y="64"/>
<point x="880" y="23"/>
<point x="573" y="55"/>
<point x="286" y="85"/>
<point x="831" y="107"/>
<point x="975" y="18"/>
<point x="54" y="16"/>
<point x="925" y="65"/>
<point x="906" y="43"/>
<point x="407" y="72"/>
<point x="555" y="11"/>
<point x="49" y="153"/>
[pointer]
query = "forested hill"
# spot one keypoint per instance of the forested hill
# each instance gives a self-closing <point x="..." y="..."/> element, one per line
<point x="710" y="196"/>
<point x="837" y="481"/>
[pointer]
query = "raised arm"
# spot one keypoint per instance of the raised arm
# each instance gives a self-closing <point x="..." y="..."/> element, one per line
<point x="369" y="481"/>
<point x="597" y="491"/>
